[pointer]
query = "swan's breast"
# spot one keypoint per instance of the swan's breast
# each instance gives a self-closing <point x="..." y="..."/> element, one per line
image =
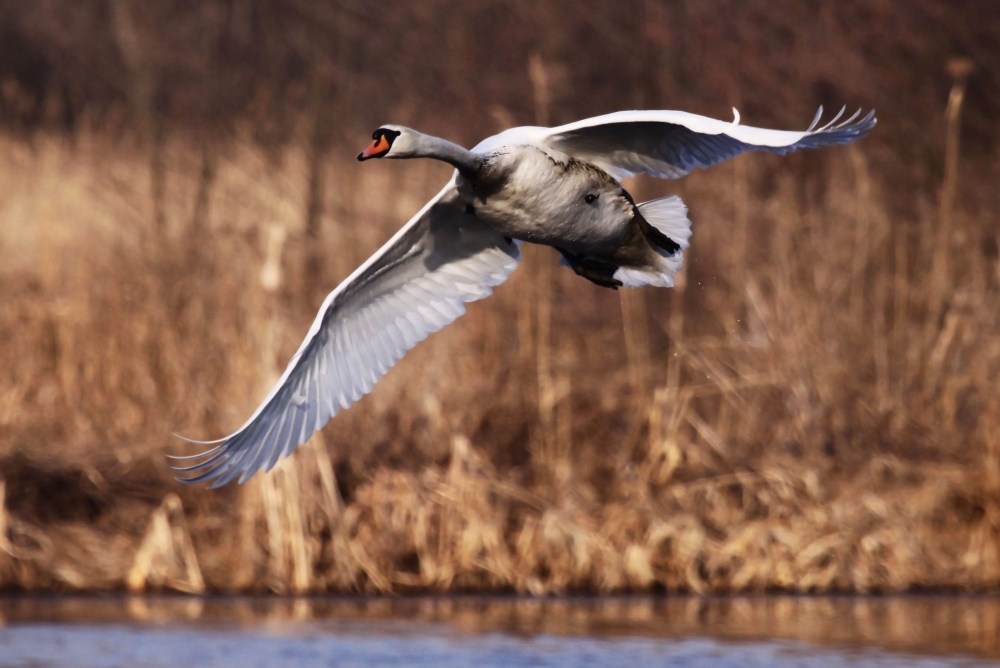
<point x="553" y="199"/>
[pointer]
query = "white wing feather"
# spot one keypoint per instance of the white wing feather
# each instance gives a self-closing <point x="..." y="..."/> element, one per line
<point x="669" y="144"/>
<point x="417" y="283"/>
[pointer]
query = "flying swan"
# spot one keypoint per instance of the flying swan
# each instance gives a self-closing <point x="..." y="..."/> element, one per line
<point x="558" y="187"/>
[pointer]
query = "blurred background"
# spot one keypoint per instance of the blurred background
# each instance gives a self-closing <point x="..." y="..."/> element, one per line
<point x="815" y="407"/>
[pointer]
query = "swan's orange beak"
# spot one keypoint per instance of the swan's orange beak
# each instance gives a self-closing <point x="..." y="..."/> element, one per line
<point x="378" y="148"/>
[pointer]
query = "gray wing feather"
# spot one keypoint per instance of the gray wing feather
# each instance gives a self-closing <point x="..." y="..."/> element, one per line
<point x="414" y="285"/>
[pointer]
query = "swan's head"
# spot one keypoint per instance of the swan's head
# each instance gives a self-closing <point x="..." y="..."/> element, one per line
<point x="389" y="141"/>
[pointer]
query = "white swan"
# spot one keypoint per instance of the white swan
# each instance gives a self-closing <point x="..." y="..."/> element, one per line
<point x="554" y="186"/>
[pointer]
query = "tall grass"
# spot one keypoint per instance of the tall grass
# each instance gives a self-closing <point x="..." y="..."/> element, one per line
<point x="814" y="407"/>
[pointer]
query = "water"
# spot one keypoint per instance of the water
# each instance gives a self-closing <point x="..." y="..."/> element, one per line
<point x="809" y="632"/>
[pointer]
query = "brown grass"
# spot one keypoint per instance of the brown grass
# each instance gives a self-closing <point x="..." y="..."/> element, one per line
<point x="813" y="408"/>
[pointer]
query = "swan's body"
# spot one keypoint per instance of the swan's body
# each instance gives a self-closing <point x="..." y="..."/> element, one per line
<point x="538" y="196"/>
<point x="559" y="187"/>
<point x="554" y="199"/>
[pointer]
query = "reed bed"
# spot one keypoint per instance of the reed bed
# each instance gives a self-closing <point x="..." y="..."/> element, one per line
<point x="813" y="408"/>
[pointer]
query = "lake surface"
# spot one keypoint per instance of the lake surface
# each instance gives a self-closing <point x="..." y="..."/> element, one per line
<point x="108" y="632"/>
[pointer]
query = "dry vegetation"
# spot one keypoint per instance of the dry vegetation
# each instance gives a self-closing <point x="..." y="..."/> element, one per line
<point x="815" y="407"/>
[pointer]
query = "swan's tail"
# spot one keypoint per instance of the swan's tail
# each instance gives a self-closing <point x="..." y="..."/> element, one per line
<point x="669" y="216"/>
<point x="669" y="235"/>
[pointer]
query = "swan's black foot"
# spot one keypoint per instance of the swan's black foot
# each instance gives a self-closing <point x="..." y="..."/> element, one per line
<point x="594" y="270"/>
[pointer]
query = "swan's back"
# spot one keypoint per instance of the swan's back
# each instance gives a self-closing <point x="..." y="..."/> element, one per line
<point x="546" y="197"/>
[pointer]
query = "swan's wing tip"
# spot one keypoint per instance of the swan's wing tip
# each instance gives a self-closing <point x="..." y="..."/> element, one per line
<point x="219" y="444"/>
<point x="851" y="127"/>
<point x="197" y="442"/>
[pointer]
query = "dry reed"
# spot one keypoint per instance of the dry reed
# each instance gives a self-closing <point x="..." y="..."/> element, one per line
<point x="812" y="408"/>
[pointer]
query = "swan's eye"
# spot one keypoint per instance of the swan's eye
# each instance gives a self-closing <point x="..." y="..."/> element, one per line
<point x="590" y="198"/>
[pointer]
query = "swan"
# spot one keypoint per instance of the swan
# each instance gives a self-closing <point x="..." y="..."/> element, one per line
<point x="558" y="187"/>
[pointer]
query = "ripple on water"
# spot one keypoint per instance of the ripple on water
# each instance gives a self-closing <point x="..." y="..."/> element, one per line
<point x="484" y="632"/>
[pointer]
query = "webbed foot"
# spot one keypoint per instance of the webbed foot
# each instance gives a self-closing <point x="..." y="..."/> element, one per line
<point x="598" y="272"/>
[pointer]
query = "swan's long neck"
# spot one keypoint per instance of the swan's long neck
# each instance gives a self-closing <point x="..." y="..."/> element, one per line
<point x="428" y="146"/>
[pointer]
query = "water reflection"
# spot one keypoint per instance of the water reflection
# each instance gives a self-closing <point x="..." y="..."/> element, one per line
<point x="925" y="625"/>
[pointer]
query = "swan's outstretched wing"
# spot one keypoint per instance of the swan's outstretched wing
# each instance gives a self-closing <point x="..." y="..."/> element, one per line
<point x="669" y="144"/>
<point x="415" y="284"/>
